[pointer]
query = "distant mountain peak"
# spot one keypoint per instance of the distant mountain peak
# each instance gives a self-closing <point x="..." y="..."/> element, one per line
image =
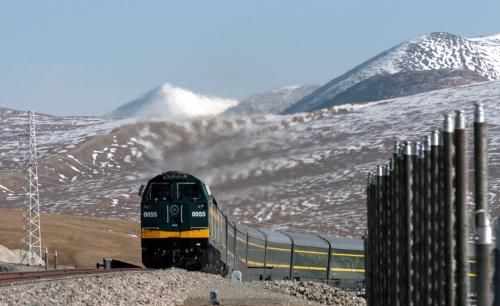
<point x="437" y="52"/>
<point x="168" y="101"/>
<point x="273" y="101"/>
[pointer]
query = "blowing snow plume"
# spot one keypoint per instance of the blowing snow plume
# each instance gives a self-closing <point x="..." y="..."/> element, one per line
<point x="170" y="102"/>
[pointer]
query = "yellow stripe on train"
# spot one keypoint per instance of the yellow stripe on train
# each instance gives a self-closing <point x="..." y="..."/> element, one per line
<point x="278" y="249"/>
<point x="309" y="268"/>
<point x="155" y="234"/>
<point x="348" y="270"/>
<point x="348" y="255"/>
<point x="271" y="265"/>
<point x="310" y="252"/>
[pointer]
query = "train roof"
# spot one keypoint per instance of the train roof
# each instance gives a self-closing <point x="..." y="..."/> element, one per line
<point x="307" y="240"/>
<point x="252" y="232"/>
<point x="274" y="236"/>
<point x="175" y="176"/>
<point x="230" y="223"/>
<point x="241" y="228"/>
<point x="255" y="234"/>
<point x="344" y="243"/>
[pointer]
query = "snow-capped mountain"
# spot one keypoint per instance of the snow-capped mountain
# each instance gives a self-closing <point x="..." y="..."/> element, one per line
<point x="448" y="58"/>
<point x="302" y="172"/>
<point x="171" y="102"/>
<point x="272" y="102"/>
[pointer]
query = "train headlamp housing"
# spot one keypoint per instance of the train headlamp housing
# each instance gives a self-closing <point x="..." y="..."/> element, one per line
<point x="174" y="210"/>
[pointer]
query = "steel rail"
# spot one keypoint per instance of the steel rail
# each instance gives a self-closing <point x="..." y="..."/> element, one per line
<point x="18" y="278"/>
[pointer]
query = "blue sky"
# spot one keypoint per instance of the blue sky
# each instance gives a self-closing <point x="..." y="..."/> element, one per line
<point x="88" y="57"/>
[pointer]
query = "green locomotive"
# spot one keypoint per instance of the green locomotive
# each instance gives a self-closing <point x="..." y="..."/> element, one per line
<point x="183" y="226"/>
<point x="174" y="223"/>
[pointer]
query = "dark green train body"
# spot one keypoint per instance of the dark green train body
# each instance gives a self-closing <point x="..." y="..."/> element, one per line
<point x="174" y="222"/>
<point x="182" y="225"/>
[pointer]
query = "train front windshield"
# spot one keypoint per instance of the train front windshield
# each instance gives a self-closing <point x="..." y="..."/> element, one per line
<point x="161" y="191"/>
<point x="188" y="191"/>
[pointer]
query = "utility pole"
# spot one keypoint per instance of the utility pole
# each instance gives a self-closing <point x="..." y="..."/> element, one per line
<point x="32" y="237"/>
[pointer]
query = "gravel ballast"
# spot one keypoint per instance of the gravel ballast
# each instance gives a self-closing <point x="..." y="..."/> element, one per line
<point x="168" y="287"/>
<point x="318" y="292"/>
<point x="172" y="287"/>
<point x="244" y="294"/>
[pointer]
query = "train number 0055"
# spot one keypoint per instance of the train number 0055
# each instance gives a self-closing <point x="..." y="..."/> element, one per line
<point x="199" y="214"/>
<point x="150" y="214"/>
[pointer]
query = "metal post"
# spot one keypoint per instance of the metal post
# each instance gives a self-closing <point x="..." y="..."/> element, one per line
<point x="46" y="259"/>
<point x="442" y="226"/>
<point x="427" y="261"/>
<point x="379" y="272"/>
<point x="390" y="236"/>
<point x="483" y="228"/>
<point x="386" y="209"/>
<point x="365" y="242"/>
<point x="373" y="257"/>
<point x="435" y="217"/>
<point x="395" y="225"/>
<point x="407" y="225"/>
<point x="55" y="259"/>
<point x="367" y="256"/>
<point x="401" y="221"/>
<point x="462" y="221"/>
<point x="496" y="282"/>
<point x="448" y="208"/>
<point x="421" y="224"/>
<point x="368" y="250"/>
<point x="483" y="258"/>
<point x="415" y="225"/>
<point x="381" y="232"/>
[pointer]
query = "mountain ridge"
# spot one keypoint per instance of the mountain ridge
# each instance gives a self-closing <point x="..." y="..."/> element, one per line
<point x="434" y="51"/>
<point x="273" y="101"/>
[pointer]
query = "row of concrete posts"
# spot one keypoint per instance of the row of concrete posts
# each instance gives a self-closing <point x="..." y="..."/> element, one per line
<point x="418" y="247"/>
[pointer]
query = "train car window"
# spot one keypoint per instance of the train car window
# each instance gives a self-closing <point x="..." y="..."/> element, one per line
<point x="349" y="260"/>
<point x="160" y="191"/>
<point x="189" y="191"/>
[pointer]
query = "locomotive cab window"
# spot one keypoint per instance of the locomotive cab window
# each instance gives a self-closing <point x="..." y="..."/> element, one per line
<point x="160" y="191"/>
<point x="188" y="191"/>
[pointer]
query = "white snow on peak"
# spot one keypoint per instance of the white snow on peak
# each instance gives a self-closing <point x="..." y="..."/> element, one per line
<point x="439" y="51"/>
<point x="171" y="102"/>
<point x="432" y="51"/>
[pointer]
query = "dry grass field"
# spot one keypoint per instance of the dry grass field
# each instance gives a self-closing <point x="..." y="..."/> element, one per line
<point x="80" y="241"/>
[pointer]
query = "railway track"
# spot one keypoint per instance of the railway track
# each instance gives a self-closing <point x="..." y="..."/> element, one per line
<point x="17" y="278"/>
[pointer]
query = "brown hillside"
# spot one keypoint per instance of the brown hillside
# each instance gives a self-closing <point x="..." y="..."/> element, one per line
<point x="81" y="241"/>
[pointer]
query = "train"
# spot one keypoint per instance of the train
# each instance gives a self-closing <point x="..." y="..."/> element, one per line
<point x="183" y="225"/>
